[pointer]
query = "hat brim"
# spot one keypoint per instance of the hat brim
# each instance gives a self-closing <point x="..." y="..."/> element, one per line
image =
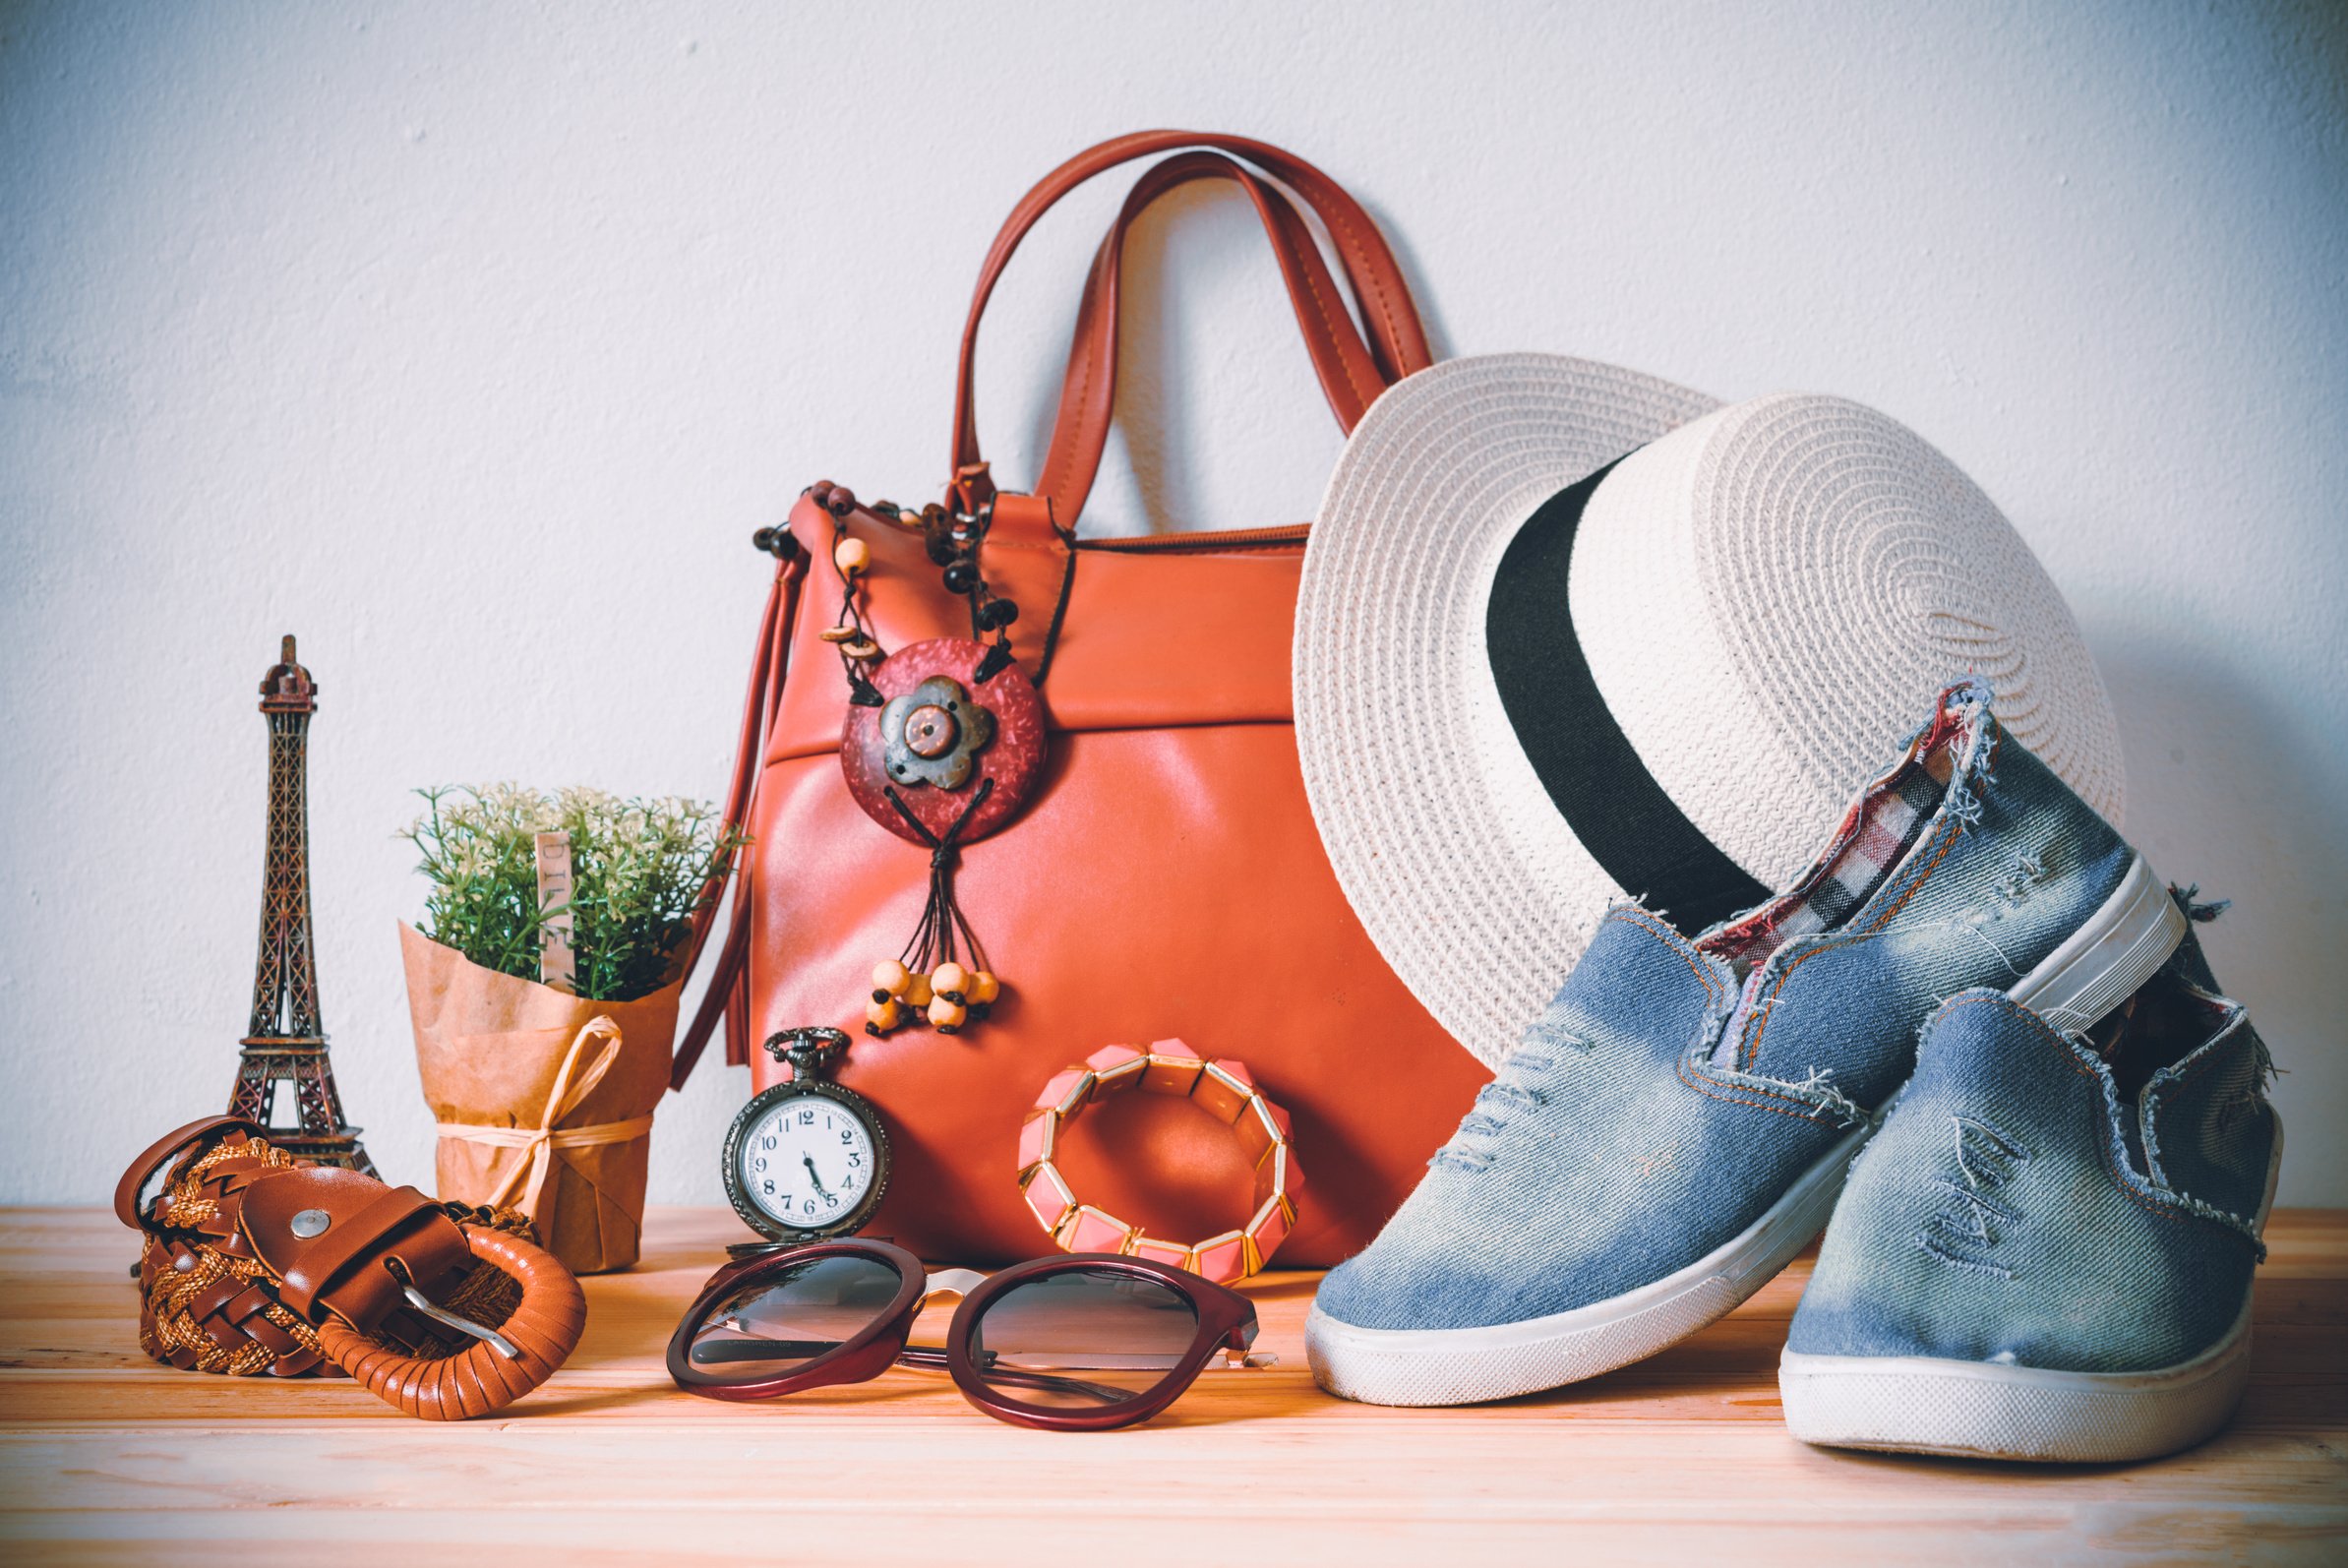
<point x="1442" y="837"/>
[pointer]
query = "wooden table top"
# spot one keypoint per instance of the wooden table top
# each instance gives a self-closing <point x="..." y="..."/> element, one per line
<point x="107" y="1458"/>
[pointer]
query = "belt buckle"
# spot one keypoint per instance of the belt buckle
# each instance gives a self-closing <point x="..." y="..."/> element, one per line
<point x="463" y="1325"/>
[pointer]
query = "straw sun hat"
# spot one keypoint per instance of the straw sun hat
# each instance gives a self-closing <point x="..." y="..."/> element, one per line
<point x="1569" y="633"/>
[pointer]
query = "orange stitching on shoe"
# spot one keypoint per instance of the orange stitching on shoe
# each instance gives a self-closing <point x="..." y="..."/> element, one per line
<point x="1750" y="1051"/>
<point x="1948" y="842"/>
<point x="1679" y="1067"/>
<point x="1749" y="1088"/>
<point x="1680" y="1070"/>
<point x="1663" y="933"/>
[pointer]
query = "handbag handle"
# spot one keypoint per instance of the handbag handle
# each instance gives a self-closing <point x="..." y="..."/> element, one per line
<point x="1349" y="372"/>
<point x="1397" y="341"/>
<point x="1395" y="347"/>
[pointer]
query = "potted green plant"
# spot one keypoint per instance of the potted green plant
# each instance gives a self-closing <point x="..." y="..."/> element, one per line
<point x="544" y="1092"/>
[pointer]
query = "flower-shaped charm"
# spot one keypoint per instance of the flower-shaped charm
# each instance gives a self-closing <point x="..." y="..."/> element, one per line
<point x="934" y="732"/>
<point x="996" y="732"/>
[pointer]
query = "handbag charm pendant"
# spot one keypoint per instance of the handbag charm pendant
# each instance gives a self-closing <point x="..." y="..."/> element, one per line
<point x="943" y="743"/>
<point x="944" y="760"/>
<point x="947" y="759"/>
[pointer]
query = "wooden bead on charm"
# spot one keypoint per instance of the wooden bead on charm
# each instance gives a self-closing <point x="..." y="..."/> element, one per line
<point x="947" y="1014"/>
<point x="981" y="988"/>
<point x="882" y="1015"/>
<point x="917" y="992"/>
<point x="890" y="975"/>
<point x="852" y="555"/>
<point x="949" y="976"/>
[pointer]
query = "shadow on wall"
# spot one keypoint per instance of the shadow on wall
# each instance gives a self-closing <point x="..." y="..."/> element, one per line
<point x="2233" y="793"/>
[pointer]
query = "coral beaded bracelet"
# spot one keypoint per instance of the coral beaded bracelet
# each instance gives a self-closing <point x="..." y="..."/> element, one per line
<point x="1225" y="1091"/>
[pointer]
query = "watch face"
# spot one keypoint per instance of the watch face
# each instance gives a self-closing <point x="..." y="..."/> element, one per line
<point x="805" y="1161"/>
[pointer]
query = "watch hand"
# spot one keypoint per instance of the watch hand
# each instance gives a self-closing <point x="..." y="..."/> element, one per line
<point x="808" y="1161"/>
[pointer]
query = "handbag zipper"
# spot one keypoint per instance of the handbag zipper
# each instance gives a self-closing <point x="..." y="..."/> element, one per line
<point x="1193" y="543"/>
<point x="1170" y="543"/>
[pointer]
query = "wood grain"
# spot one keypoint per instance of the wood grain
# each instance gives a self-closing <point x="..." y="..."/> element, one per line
<point x="107" y="1458"/>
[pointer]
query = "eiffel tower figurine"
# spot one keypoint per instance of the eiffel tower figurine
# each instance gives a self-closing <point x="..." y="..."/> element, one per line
<point x="287" y="1043"/>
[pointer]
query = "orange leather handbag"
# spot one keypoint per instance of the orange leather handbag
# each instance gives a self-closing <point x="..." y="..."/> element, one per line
<point x="1162" y="878"/>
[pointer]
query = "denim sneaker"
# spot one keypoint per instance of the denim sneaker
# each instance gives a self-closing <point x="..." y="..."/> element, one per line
<point x="2046" y="1252"/>
<point x="1675" y="1125"/>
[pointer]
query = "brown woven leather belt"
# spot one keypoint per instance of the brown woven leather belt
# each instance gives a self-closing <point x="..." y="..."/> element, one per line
<point x="259" y="1262"/>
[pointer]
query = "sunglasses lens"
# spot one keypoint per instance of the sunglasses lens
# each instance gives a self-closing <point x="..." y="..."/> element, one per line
<point x="1082" y="1339"/>
<point x="775" y="1325"/>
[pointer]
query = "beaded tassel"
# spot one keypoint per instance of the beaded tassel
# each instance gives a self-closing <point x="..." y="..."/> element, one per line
<point x="941" y="976"/>
<point x="927" y="976"/>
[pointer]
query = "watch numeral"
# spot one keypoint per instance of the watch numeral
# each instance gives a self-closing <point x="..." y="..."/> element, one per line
<point x="847" y="1136"/>
<point x="806" y="1118"/>
<point x="768" y="1141"/>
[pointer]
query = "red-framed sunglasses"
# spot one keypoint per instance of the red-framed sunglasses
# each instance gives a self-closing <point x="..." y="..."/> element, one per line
<point x="831" y="1312"/>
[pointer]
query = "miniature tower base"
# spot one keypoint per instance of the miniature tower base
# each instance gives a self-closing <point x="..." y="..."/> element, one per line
<point x="318" y="1134"/>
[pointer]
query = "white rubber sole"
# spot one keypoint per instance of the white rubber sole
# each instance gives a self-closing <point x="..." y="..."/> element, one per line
<point x="1979" y="1410"/>
<point x="1469" y="1365"/>
<point x="2103" y="963"/>
<point x="1986" y="1409"/>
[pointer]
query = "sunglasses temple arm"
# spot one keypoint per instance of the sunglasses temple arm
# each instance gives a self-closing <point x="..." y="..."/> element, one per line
<point x="758" y="1350"/>
<point x="923" y="1356"/>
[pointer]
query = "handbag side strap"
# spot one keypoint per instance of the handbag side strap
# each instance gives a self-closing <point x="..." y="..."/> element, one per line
<point x="1398" y="342"/>
<point x="1349" y="372"/>
<point x="728" y="992"/>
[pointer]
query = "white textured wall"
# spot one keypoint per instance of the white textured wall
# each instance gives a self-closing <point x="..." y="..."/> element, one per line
<point x="471" y="343"/>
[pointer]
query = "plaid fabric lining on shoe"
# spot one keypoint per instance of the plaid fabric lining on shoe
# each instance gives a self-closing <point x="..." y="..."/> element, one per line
<point x="1878" y="829"/>
<point x="1875" y="836"/>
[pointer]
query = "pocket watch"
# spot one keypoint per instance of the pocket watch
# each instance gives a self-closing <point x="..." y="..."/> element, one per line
<point x="807" y="1159"/>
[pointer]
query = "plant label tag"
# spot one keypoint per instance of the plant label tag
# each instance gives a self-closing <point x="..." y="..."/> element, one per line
<point x="555" y="958"/>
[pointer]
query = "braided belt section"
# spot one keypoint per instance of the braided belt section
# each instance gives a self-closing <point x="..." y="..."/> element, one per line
<point x="213" y="1320"/>
<point x="205" y="1308"/>
<point x="257" y="1262"/>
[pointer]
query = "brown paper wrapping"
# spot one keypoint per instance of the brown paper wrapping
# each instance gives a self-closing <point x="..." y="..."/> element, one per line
<point x="490" y="1049"/>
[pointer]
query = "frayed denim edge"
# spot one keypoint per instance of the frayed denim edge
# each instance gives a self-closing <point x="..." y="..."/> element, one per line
<point x="2150" y="1184"/>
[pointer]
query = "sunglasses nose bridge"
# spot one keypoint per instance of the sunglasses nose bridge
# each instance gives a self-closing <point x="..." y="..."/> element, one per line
<point x="944" y="1283"/>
